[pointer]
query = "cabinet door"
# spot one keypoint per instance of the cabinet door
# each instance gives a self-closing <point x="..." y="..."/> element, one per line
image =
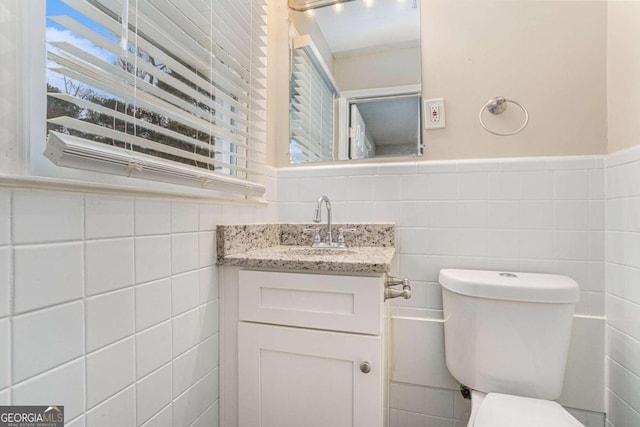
<point x="292" y="377"/>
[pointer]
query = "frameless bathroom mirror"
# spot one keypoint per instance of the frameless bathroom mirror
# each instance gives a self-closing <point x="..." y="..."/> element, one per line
<point x="355" y="81"/>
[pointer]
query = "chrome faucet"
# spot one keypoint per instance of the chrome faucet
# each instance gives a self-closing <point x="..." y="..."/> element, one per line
<point x="317" y="217"/>
<point x="328" y="242"/>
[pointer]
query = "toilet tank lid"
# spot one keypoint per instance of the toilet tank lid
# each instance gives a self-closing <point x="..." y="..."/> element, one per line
<point x="510" y="286"/>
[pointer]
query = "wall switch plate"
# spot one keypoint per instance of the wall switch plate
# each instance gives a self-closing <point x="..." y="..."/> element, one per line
<point x="434" y="113"/>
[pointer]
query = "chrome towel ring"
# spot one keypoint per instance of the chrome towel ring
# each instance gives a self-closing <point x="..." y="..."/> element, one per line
<point x="498" y="105"/>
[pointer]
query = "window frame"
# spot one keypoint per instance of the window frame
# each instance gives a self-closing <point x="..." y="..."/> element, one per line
<point x="32" y="103"/>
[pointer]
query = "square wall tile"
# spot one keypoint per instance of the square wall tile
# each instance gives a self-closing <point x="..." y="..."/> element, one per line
<point x="209" y="287"/>
<point x="536" y="185"/>
<point x="5" y="277"/>
<point x="407" y="397"/>
<point x="184" y="252"/>
<point x="504" y="214"/>
<point x="209" y="314"/>
<point x="78" y="422"/>
<point x="185" y="371"/>
<point x="210" y="216"/>
<point x="571" y="245"/>
<point x="109" y="318"/>
<point x="117" y="411"/>
<point x="109" y="265"/>
<point x="153" y="393"/>
<point x="196" y="400"/>
<point x="473" y="186"/>
<point x="110" y="370"/>
<point x="186" y="331"/>
<point x="46" y="216"/>
<point x="413" y="241"/>
<point x="209" y="418"/>
<point x="164" y="418"/>
<point x="47" y="275"/>
<point x="5" y="357"/>
<point x="152" y="217"/>
<point x="107" y="216"/>
<point x="153" y="348"/>
<point x="572" y="184"/>
<point x="207" y="249"/>
<point x="571" y="214"/>
<point x="63" y="385"/>
<point x="504" y="186"/>
<point x="536" y="244"/>
<point x="59" y="330"/>
<point x="5" y="216"/>
<point x="184" y="217"/>
<point x="153" y="303"/>
<point x="185" y="290"/>
<point x="441" y="186"/>
<point x="536" y="214"/>
<point x="153" y="258"/>
<point x="387" y="187"/>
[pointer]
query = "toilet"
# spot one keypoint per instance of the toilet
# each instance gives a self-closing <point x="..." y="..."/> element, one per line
<point x="507" y="339"/>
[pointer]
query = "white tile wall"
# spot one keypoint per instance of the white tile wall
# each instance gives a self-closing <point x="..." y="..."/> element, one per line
<point x="45" y="275"/>
<point x="110" y="370"/>
<point x="153" y="303"/>
<point x="92" y="290"/>
<point x="623" y="287"/>
<point x="42" y="216"/>
<point x="109" y="265"/>
<point x="108" y="216"/>
<point x="543" y="215"/>
<point x="538" y="215"/>
<point x="59" y="330"/>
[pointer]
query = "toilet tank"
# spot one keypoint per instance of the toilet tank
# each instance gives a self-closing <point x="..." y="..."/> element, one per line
<point x="508" y="332"/>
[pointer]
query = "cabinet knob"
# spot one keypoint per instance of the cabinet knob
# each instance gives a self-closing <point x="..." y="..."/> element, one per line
<point x="365" y="367"/>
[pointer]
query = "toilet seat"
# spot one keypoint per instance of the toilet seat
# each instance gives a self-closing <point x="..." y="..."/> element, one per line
<point x="503" y="410"/>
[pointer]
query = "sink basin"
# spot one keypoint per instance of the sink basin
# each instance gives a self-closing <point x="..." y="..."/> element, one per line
<point x="318" y="251"/>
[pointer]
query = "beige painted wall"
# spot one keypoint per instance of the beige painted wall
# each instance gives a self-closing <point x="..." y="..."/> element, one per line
<point x="394" y="67"/>
<point x="548" y="55"/>
<point x="623" y="75"/>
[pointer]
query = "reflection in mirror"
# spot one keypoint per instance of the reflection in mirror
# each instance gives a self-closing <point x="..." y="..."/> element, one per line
<point x="355" y="81"/>
<point x="384" y="127"/>
<point x="303" y="5"/>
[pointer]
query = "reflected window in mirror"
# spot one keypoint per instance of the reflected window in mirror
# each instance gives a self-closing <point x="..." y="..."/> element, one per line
<point x="369" y="49"/>
<point x="312" y="99"/>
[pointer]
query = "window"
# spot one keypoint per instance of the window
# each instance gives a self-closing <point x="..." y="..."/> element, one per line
<point x="165" y="90"/>
<point x="312" y="96"/>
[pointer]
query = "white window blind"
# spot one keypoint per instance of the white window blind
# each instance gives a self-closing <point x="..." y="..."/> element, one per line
<point x="312" y="102"/>
<point x="168" y="90"/>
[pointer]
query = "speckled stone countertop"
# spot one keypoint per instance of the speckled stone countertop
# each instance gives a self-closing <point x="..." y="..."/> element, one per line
<point x="285" y="247"/>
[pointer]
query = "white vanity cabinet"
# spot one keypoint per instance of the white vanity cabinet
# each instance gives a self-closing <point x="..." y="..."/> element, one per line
<point x="310" y="350"/>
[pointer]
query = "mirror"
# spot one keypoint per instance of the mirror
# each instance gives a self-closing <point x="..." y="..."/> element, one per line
<point x="355" y="81"/>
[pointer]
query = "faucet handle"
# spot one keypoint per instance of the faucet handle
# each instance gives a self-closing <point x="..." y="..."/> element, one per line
<point x="315" y="232"/>
<point x="343" y="231"/>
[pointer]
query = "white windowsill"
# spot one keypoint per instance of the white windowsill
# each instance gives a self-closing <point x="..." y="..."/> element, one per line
<point x="46" y="183"/>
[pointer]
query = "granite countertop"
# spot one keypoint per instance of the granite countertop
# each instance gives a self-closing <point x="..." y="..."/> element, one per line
<point x="284" y="247"/>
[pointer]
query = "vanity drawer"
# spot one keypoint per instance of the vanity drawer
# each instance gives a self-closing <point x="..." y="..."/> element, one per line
<point x="318" y="301"/>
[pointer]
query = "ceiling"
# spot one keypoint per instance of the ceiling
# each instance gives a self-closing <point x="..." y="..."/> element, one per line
<point x="369" y="24"/>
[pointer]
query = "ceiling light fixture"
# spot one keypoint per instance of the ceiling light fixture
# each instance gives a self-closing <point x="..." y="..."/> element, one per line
<point x="303" y="5"/>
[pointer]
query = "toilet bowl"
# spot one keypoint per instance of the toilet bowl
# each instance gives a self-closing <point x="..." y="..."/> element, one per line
<point x="507" y="339"/>
<point x="506" y="410"/>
